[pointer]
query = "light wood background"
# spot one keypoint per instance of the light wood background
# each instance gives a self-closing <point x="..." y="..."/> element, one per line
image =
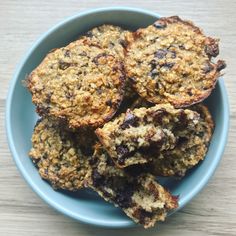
<point x="23" y="213"/>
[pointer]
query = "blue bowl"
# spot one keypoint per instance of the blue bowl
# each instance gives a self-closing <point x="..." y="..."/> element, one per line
<point x="86" y="206"/>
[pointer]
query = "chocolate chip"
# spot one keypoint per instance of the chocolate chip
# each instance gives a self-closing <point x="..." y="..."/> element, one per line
<point x="93" y="160"/>
<point x="183" y="122"/>
<point x="201" y="134"/>
<point x="99" y="91"/>
<point x="168" y="65"/>
<point x="48" y="97"/>
<point x="89" y="34"/>
<point x="189" y="92"/>
<point x="63" y="65"/>
<point x="67" y="53"/>
<point x="122" y="150"/>
<point x="173" y="54"/>
<point x="35" y="160"/>
<point x="109" y="103"/>
<point x="133" y="80"/>
<point x="153" y="73"/>
<point x="124" y="195"/>
<point x="181" y="141"/>
<point x="207" y="67"/>
<point x="160" y="53"/>
<point x="123" y="43"/>
<point x="221" y="65"/>
<point x="181" y="47"/>
<point x="159" y="24"/>
<point x="130" y="120"/>
<point x="83" y="54"/>
<point x="98" y="179"/>
<point x="42" y="110"/>
<point x="86" y="150"/>
<point x="143" y="214"/>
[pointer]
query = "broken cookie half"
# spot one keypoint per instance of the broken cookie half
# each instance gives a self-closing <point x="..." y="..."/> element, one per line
<point x="142" y="198"/>
<point x="137" y="135"/>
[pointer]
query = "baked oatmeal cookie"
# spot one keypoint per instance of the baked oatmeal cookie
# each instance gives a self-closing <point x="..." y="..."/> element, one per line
<point x="142" y="198"/>
<point x="112" y="39"/>
<point x="190" y="149"/>
<point x="139" y="134"/>
<point x="81" y="84"/>
<point x="57" y="156"/>
<point x="170" y="62"/>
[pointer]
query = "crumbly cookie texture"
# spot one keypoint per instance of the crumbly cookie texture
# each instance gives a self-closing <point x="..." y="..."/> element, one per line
<point x="80" y="84"/>
<point x="112" y="39"/>
<point x="142" y="198"/>
<point x="190" y="148"/>
<point x="57" y="156"/>
<point x="138" y="135"/>
<point x="170" y="62"/>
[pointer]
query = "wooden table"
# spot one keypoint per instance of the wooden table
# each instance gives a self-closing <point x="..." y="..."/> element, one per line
<point x="22" y="212"/>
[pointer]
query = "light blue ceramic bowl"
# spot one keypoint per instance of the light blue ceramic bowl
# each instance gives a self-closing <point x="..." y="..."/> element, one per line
<point x="85" y="206"/>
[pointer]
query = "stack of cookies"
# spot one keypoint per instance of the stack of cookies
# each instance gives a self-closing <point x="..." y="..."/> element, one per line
<point x="120" y="108"/>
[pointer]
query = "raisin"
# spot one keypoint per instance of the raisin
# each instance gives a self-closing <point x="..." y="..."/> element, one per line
<point x="160" y="53"/>
<point x="159" y="25"/>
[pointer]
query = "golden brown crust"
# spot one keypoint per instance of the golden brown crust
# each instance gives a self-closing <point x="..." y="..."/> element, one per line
<point x="80" y="84"/>
<point x="170" y="62"/>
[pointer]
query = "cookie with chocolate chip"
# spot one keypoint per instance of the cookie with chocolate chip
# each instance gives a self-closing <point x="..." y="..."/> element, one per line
<point x="80" y="84"/>
<point x="190" y="149"/>
<point x="112" y="39"/>
<point x="57" y="155"/>
<point x="136" y="136"/>
<point x="170" y="62"/>
<point x="141" y="198"/>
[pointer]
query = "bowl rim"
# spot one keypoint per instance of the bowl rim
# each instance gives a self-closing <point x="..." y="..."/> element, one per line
<point x="97" y="222"/>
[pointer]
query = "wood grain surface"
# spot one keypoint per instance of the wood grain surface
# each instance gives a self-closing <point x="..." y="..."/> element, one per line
<point x="23" y="213"/>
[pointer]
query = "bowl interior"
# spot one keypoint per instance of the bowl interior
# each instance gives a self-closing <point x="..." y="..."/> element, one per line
<point x="21" y="117"/>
